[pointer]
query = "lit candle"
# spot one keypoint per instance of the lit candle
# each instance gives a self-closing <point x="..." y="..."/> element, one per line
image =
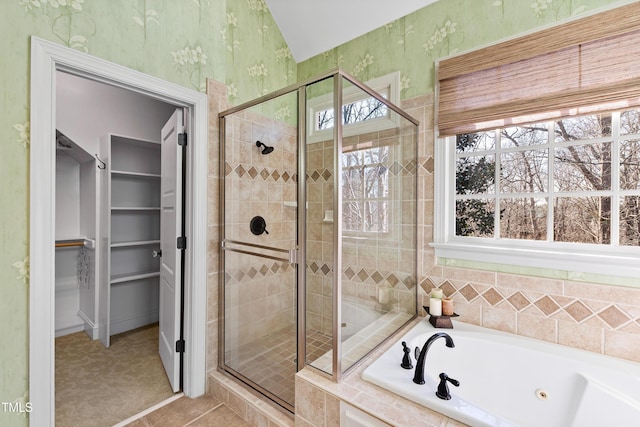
<point x="447" y="307"/>
<point x="436" y="293"/>
<point x="435" y="307"/>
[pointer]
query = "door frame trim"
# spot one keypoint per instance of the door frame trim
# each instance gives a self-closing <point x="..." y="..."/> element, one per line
<point x="46" y="59"/>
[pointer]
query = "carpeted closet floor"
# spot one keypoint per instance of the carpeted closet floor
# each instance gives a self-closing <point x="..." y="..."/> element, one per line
<point x="98" y="386"/>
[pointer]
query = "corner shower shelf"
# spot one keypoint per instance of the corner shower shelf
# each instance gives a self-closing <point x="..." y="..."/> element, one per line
<point x="293" y="204"/>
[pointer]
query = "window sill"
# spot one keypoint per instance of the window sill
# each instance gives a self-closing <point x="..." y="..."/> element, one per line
<point x="622" y="263"/>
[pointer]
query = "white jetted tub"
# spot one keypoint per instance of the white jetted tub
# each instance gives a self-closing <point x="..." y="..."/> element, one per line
<point x="507" y="380"/>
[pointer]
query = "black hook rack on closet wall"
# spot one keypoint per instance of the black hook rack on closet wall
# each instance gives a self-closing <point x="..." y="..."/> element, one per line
<point x="104" y="165"/>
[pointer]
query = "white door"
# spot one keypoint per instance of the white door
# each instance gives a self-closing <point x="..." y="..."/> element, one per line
<point x="170" y="264"/>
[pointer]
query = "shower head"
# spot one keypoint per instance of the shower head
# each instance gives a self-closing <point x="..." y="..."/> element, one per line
<point x="266" y="149"/>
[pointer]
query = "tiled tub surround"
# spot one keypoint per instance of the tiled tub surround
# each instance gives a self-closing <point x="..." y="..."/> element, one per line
<point x="596" y="317"/>
<point x="513" y="380"/>
<point x="318" y="398"/>
<point x="600" y="318"/>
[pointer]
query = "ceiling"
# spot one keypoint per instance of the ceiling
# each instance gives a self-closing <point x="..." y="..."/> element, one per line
<point x="311" y="27"/>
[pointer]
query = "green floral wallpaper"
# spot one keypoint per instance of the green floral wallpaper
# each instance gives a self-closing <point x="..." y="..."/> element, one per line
<point x="182" y="41"/>
<point x="187" y="41"/>
<point x="413" y="43"/>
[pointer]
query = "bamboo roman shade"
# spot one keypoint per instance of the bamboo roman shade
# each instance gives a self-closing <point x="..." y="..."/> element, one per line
<point x="587" y="65"/>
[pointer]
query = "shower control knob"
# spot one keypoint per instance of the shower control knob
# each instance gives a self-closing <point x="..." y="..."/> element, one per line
<point x="156" y="254"/>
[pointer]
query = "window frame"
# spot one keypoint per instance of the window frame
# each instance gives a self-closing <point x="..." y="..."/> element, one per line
<point x="609" y="260"/>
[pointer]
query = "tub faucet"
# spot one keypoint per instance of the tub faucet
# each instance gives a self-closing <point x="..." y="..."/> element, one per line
<point x="418" y="377"/>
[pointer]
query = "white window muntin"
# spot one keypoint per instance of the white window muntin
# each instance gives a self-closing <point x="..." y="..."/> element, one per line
<point x="607" y="259"/>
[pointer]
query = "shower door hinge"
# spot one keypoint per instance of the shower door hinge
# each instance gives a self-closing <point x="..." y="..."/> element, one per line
<point x="180" y="346"/>
<point x="182" y="139"/>
<point x="182" y="242"/>
<point x="293" y="256"/>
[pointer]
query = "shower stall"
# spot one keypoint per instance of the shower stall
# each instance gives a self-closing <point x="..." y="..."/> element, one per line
<point x="318" y="189"/>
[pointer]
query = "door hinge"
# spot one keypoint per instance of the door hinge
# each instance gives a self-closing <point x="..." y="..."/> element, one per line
<point x="182" y="242"/>
<point x="182" y="139"/>
<point x="180" y="346"/>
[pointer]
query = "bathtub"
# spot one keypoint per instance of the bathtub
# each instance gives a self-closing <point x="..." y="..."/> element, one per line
<point x="507" y="380"/>
<point x="356" y="317"/>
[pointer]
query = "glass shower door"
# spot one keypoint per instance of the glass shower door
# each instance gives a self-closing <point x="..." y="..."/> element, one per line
<point x="259" y="238"/>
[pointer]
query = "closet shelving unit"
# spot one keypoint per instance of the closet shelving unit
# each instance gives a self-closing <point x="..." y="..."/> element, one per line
<point x="133" y="235"/>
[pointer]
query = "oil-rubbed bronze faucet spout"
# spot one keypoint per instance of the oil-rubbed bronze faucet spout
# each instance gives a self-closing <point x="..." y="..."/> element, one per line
<point x="418" y="377"/>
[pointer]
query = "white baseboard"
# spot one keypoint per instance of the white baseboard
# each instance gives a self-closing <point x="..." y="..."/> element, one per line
<point x="126" y="324"/>
<point x="90" y="328"/>
<point x="71" y="329"/>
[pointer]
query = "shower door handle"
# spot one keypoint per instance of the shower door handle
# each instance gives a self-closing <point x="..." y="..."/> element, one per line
<point x="291" y="258"/>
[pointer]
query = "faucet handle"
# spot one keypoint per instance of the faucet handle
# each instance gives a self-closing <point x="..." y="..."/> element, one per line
<point x="443" y="388"/>
<point x="406" y="359"/>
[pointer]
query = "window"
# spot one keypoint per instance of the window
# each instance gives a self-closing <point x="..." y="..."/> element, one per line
<point x="355" y="112"/>
<point x="559" y="194"/>
<point x="365" y="189"/>
<point x="367" y="184"/>
<point x="538" y="191"/>
<point x="361" y="113"/>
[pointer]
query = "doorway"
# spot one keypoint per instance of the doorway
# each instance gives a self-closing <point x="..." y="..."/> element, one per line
<point x="113" y="198"/>
<point x="47" y="59"/>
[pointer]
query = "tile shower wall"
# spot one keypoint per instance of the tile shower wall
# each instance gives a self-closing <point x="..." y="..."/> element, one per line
<point x="320" y="237"/>
<point x="260" y="293"/>
<point x="376" y="273"/>
<point x="599" y="318"/>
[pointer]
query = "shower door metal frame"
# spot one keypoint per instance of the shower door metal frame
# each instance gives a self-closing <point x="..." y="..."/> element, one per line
<point x="300" y="253"/>
<point x="293" y="256"/>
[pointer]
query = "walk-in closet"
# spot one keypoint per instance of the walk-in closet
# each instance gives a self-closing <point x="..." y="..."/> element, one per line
<point x="107" y="256"/>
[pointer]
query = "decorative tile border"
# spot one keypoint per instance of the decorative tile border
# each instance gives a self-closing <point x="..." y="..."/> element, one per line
<point x="256" y="271"/>
<point x="395" y="279"/>
<point x="266" y="174"/>
<point x="613" y="316"/>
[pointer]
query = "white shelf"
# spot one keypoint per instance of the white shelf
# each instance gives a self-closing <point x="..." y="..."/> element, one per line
<point x="132" y="211"/>
<point x="135" y="243"/>
<point x="129" y="277"/>
<point x="135" y="208"/>
<point x="136" y="174"/>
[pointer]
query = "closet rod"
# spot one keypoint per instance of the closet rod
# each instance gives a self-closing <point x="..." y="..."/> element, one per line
<point x="70" y="243"/>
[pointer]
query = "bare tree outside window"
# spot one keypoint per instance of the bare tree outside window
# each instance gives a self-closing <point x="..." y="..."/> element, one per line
<point x="365" y="171"/>
<point x="355" y="112"/>
<point x="365" y="190"/>
<point x="586" y="168"/>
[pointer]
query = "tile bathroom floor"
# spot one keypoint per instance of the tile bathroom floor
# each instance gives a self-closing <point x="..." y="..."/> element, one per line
<point x="272" y="360"/>
<point x="271" y="365"/>
<point x="203" y="411"/>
